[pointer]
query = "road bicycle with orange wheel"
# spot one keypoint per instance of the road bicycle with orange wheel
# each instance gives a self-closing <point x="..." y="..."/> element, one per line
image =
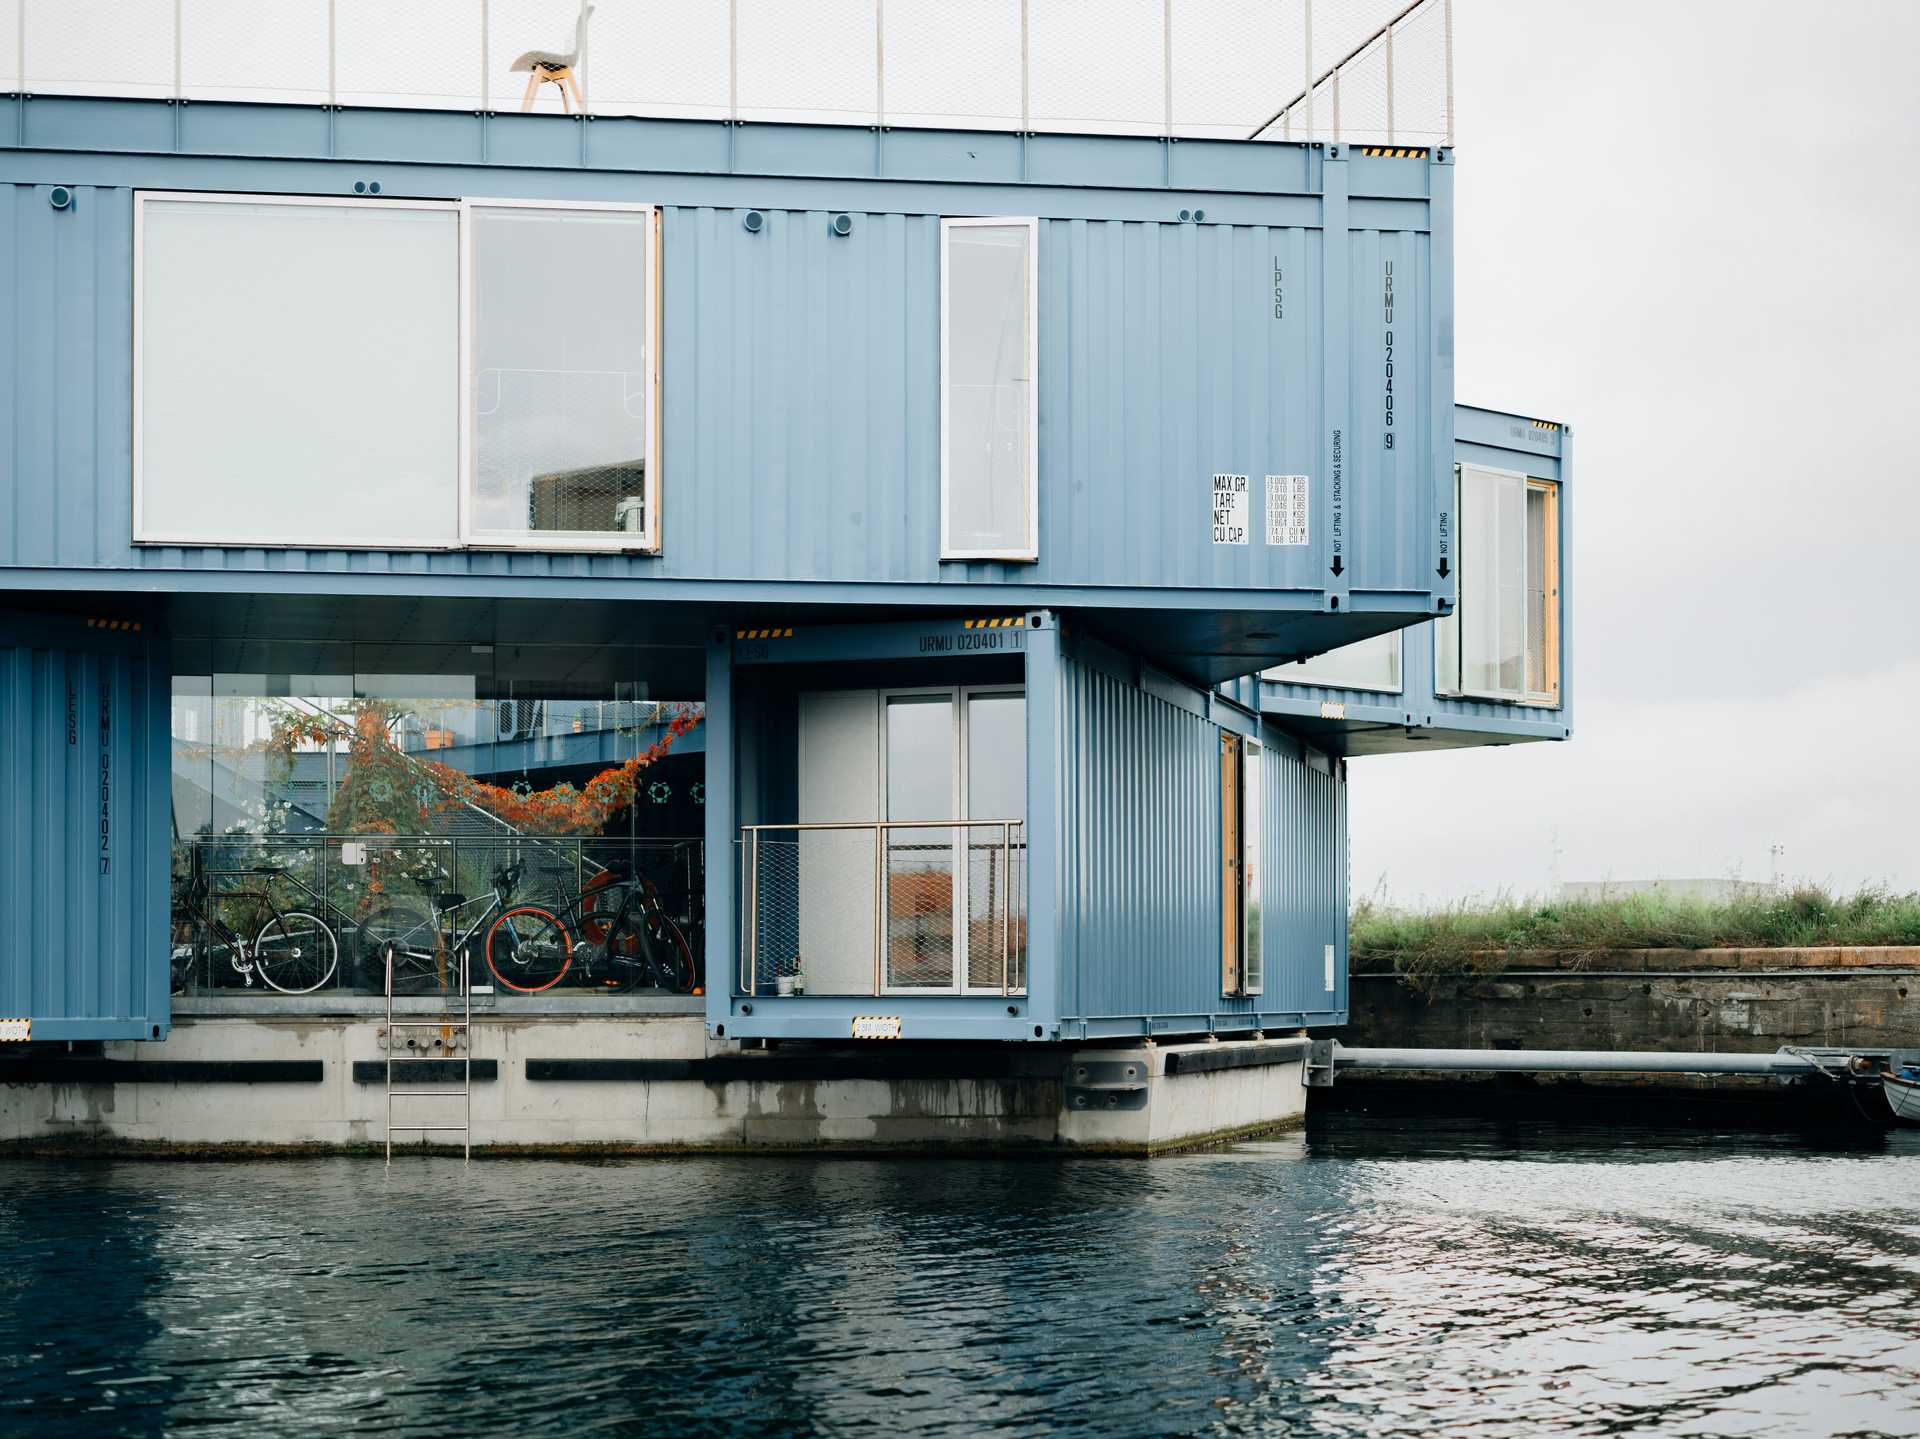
<point x="616" y="937"/>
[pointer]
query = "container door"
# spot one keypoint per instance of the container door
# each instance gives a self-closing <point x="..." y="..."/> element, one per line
<point x="83" y="805"/>
<point x="839" y="783"/>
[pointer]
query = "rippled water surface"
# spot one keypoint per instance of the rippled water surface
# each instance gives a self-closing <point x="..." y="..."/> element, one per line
<point x="1364" y="1279"/>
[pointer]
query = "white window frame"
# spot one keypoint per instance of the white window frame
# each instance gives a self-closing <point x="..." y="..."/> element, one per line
<point x="1253" y="884"/>
<point x="1451" y="686"/>
<point x="1301" y="672"/>
<point x="141" y="534"/>
<point x="557" y="542"/>
<point x="948" y="224"/>
<point x="957" y="696"/>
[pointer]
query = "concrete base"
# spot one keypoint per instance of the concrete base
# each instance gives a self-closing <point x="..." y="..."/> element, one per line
<point x="639" y="1084"/>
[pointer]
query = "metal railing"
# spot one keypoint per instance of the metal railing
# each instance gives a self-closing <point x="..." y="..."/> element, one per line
<point x="1164" y="67"/>
<point x="348" y="879"/>
<point x="884" y="907"/>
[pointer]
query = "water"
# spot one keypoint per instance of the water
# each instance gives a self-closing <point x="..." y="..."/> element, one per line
<point x="1368" y="1278"/>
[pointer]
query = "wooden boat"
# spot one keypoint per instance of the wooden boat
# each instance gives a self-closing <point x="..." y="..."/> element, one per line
<point x="1903" y="1094"/>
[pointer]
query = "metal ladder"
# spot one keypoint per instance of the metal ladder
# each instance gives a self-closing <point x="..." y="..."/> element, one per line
<point x="463" y="1025"/>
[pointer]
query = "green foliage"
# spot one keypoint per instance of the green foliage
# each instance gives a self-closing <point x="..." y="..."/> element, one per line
<point x="1483" y="937"/>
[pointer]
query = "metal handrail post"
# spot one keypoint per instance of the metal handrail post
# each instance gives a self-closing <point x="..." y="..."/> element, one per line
<point x="389" y="966"/>
<point x="1006" y="909"/>
<point x="466" y="1035"/>
<point x="753" y="915"/>
<point x="879" y="903"/>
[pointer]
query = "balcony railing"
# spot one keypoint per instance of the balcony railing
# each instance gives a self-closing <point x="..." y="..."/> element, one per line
<point x="884" y="908"/>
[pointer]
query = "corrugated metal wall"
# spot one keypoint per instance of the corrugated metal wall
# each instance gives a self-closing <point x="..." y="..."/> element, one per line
<point x="1139" y="777"/>
<point x="83" y="820"/>
<point x="801" y="400"/>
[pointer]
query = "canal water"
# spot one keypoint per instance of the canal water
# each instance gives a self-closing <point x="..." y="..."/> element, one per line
<point x="1364" y="1279"/>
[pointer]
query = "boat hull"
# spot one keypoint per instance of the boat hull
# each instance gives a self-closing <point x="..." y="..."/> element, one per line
<point x="1903" y="1097"/>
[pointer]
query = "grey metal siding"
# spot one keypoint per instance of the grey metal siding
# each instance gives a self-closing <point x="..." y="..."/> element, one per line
<point x="801" y="390"/>
<point x="83" y="869"/>
<point x="1139" y="783"/>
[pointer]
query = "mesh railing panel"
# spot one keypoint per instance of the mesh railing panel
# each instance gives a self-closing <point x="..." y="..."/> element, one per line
<point x="1186" y="67"/>
<point x="950" y="902"/>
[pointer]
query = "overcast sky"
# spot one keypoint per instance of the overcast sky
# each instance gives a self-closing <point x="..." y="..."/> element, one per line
<point x="1689" y="231"/>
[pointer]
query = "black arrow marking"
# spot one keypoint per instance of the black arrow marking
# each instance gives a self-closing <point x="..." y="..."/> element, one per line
<point x="1337" y="566"/>
<point x="1443" y="567"/>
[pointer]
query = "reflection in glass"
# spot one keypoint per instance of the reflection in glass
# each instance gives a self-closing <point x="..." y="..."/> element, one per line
<point x="920" y="861"/>
<point x="989" y="389"/>
<point x="561" y="396"/>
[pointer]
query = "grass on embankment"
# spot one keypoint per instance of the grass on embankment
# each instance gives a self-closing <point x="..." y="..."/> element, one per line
<point x="1479" y="938"/>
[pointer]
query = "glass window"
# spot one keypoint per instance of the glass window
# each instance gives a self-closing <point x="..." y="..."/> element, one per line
<point x="1371" y="664"/>
<point x="921" y="869"/>
<point x="996" y="789"/>
<point x="562" y="389"/>
<point x="1252" y="843"/>
<point x="295" y="372"/>
<point x="1503" y="639"/>
<point x="988" y="361"/>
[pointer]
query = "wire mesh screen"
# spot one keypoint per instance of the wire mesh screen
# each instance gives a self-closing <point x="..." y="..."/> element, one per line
<point x="1225" y="68"/>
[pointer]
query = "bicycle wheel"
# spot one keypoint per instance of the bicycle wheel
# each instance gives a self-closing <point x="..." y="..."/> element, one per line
<point x="410" y="931"/>
<point x="671" y="954"/>
<point x="296" y="953"/>
<point x="528" y="949"/>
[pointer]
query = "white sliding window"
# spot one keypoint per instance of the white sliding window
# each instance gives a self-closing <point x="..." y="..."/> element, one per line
<point x="1503" y="639"/>
<point x="1252" y="852"/>
<point x="989" y="357"/>
<point x="1370" y="664"/>
<point x="296" y="369"/>
<point x="562" y="391"/>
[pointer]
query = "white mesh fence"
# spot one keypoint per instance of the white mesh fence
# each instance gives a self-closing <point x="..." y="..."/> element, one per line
<point x="1361" y="71"/>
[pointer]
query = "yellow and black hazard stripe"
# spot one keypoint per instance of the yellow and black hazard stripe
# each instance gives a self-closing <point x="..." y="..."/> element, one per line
<point x="94" y="624"/>
<point x="773" y="634"/>
<point x="999" y="623"/>
<point x="1545" y="425"/>
<point x="1393" y="152"/>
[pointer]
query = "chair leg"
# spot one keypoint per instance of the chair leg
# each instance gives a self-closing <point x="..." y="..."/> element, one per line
<point x="533" y="81"/>
<point x="574" y="85"/>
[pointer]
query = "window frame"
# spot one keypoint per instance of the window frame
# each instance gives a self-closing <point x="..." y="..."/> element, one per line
<point x="141" y="534"/>
<point x="949" y="223"/>
<point x="958" y="696"/>
<point x="1243" y="965"/>
<point x="648" y="541"/>
<point x="1452" y="685"/>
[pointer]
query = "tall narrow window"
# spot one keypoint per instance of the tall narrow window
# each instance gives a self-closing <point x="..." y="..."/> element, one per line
<point x="1503" y="639"/>
<point x="988" y="359"/>
<point x="1252" y="849"/>
<point x="561" y="377"/>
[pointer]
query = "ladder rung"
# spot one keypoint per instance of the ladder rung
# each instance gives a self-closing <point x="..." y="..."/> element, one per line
<point x="426" y="1128"/>
<point x="428" y="1024"/>
<point x="426" y="1093"/>
<point x="423" y="1058"/>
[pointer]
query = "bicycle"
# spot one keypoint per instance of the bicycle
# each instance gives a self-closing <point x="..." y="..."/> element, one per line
<point x="295" y="952"/>
<point x="421" y="943"/>
<point x="627" y="941"/>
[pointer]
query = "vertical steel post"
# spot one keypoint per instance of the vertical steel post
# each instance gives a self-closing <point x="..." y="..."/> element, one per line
<point x="466" y="1033"/>
<point x="1166" y="63"/>
<point x="333" y="54"/>
<point x="753" y="911"/>
<point x="1335" y="86"/>
<point x="733" y="61"/>
<point x="388" y="954"/>
<point x="1389" y="82"/>
<point x="880" y="63"/>
<point x="1449" y="68"/>
<point x="1006" y="907"/>
<point x="1308" y="31"/>
<point x="879" y="904"/>
<point x="177" y="24"/>
<point x="486" y="60"/>
<point x="1026" y="74"/>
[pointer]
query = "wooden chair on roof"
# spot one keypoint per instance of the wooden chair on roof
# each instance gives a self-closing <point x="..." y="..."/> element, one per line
<point x="550" y="67"/>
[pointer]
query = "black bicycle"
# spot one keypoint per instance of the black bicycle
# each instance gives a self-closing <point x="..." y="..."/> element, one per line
<point x="626" y="940"/>
<point x="294" y="952"/>
<point x="425" y="937"/>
